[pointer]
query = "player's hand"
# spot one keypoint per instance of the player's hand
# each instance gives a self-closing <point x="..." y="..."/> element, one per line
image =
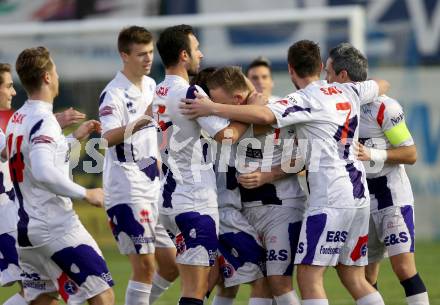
<point x="362" y="152"/>
<point x="194" y="108"/>
<point x="95" y="197"/>
<point x="256" y="98"/>
<point x="254" y="179"/>
<point x="86" y="128"/>
<point x="69" y="117"/>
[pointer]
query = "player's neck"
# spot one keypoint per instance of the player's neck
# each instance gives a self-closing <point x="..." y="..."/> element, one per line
<point x="42" y="95"/>
<point x="133" y="78"/>
<point x="177" y="70"/>
<point x="304" y="82"/>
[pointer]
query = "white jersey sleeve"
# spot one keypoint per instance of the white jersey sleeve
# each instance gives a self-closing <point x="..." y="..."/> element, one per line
<point x="211" y="124"/>
<point x="42" y="152"/>
<point x="391" y="119"/>
<point x="368" y="91"/>
<point x="291" y="110"/>
<point x="110" y="112"/>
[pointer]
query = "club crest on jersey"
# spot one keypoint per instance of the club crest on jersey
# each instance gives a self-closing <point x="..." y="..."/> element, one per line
<point x="130" y="107"/>
<point x="106" y="110"/>
<point x="70" y="287"/>
<point x="226" y="268"/>
<point x="283" y="102"/>
<point x="180" y="244"/>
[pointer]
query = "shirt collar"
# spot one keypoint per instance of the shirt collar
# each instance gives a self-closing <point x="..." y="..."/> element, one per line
<point x="41" y="104"/>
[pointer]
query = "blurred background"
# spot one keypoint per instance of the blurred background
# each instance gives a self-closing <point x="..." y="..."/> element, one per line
<point x="401" y="39"/>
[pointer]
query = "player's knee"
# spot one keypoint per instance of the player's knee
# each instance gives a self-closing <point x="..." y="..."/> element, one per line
<point x="280" y="284"/>
<point x="227" y="292"/>
<point x="404" y="271"/>
<point x="104" y="298"/>
<point x="170" y="272"/>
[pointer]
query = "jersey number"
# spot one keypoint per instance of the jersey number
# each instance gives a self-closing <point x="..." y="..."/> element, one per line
<point x="16" y="164"/>
<point x="344" y="106"/>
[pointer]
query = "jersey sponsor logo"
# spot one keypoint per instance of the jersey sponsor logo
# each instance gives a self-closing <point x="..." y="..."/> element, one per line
<point x="300" y="248"/>
<point x="162" y="91"/>
<point x="130" y="107"/>
<point x="145" y="216"/>
<point x="329" y="250"/>
<point x="336" y="236"/>
<point x="273" y="255"/>
<point x="394" y="239"/>
<point x="106" y="110"/>
<point x="330" y="90"/>
<point x="18" y="118"/>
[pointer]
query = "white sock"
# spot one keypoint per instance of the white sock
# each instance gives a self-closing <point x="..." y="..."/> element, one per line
<point x="314" y="302"/>
<point x="418" y="299"/>
<point x="218" y="300"/>
<point x="16" y="299"/>
<point x="290" y="298"/>
<point x="159" y="286"/>
<point x="260" y="301"/>
<point x="137" y="293"/>
<point x="371" y="299"/>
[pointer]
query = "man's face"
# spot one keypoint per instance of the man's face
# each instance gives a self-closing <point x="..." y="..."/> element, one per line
<point x="261" y="78"/>
<point x="7" y="91"/>
<point x="330" y="74"/>
<point x="221" y="96"/>
<point x="195" y="57"/>
<point x="140" y="59"/>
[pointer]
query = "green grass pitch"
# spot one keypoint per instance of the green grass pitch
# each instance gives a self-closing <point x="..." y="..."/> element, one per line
<point x="427" y="263"/>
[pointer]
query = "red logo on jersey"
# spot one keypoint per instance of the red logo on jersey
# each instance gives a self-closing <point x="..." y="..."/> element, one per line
<point x="180" y="244"/>
<point x="66" y="287"/>
<point x="18" y="118"/>
<point x="360" y="249"/>
<point x="283" y="102"/>
<point x="145" y="216"/>
<point x="330" y="90"/>
<point x="162" y="91"/>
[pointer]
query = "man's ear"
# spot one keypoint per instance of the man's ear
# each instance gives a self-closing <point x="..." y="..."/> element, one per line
<point x="183" y="56"/>
<point x="343" y="76"/>
<point x="46" y="77"/>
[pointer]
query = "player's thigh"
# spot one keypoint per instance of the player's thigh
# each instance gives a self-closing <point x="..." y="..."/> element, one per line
<point x="133" y="226"/>
<point x="194" y="234"/>
<point x="324" y="238"/>
<point x="242" y="256"/>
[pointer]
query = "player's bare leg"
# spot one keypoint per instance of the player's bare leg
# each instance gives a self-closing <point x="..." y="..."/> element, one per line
<point x="194" y="281"/>
<point x="105" y="298"/>
<point x="139" y="286"/>
<point x="282" y="290"/>
<point x="372" y="273"/>
<point x="260" y="292"/>
<point x="166" y="272"/>
<point x="353" y="278"/>
<point x="45" y="299"/>
<point x="310" y="282"/>
<point x="404" y="266"/>
<point x="225" y="295"/>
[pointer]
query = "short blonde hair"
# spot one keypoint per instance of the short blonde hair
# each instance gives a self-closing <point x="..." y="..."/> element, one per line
<point x="31" y="65"/>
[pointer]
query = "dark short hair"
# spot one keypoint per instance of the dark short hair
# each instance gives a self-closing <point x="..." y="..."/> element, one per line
<point x="133" y="34"/>
<point x="346" y="57"/>
<point x="259" y="62"/>
<point x="3" y="69"/>
<point x="305" y="58"/>
<point x="31" y="65"/>
<point x="172" y="41"/>
<point x="201" y="78"/>
<point x="229" y="78"/>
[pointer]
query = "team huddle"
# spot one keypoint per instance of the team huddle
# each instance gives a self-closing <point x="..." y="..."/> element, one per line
<point x="200" y="180"/>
